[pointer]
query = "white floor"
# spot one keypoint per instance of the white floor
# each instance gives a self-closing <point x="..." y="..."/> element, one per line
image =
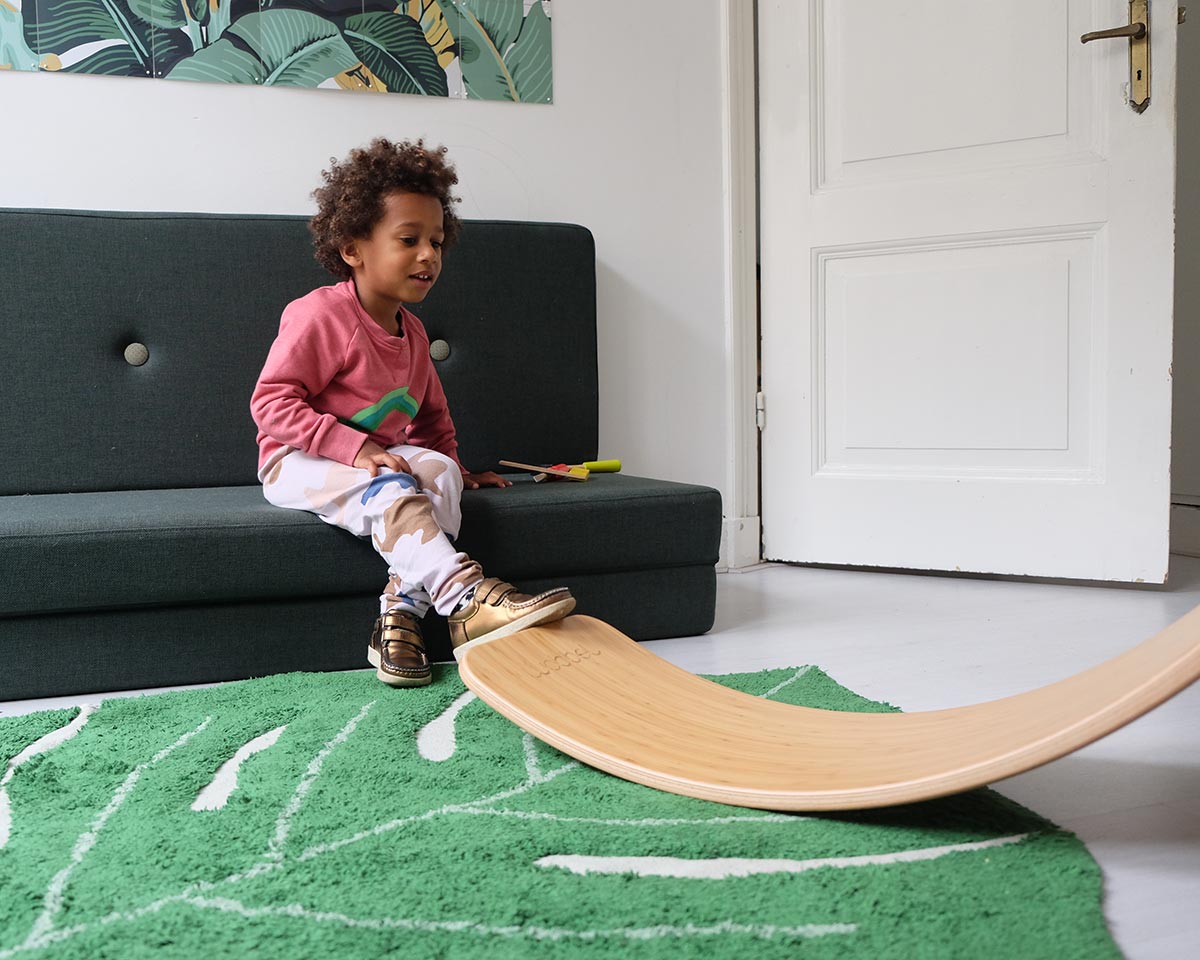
<point x="927" y="642"/>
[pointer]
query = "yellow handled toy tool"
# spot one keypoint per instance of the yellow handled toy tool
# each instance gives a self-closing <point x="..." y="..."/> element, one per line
<point x="579" y="471"/>
<point x="602" y="466"/>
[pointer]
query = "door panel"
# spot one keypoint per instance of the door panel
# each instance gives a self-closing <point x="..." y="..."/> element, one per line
<point x="995" y="91"/>
<point x="938" y="395"/>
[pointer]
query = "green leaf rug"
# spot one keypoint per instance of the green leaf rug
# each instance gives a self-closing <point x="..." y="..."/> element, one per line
<point x="314" y="815"/>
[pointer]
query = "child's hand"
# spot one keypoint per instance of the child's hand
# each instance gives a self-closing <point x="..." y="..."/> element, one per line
<point x="473" y="481"/>
<point x="371" y="456"/>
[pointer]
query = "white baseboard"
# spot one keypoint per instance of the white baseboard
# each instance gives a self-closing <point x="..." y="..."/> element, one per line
<point x="1185" y="529"/>
<point x="741" y="537"/>
<point x="741" y="543"/>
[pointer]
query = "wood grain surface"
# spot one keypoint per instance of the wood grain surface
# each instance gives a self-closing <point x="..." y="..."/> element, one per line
<point x="582" y="686"/>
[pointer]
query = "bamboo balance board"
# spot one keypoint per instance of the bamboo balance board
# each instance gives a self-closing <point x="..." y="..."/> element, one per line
<point x="584" y="687"/>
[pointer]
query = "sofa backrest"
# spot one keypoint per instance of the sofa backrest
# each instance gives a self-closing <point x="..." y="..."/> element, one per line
<point x="516" y="303"/>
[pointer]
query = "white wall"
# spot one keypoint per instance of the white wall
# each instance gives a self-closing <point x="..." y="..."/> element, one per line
<point x="1185" y="447"/>
<point x="631" y="148"/>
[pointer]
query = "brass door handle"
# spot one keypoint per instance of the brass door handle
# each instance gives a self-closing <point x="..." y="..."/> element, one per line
<point x="1138" y="35"/>
<point x="1134" y="31"/>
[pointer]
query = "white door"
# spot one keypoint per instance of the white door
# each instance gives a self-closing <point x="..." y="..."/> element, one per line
<point x="967" y="266"/>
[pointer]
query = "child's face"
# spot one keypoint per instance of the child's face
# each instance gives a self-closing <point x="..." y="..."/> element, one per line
<point x="402" y="257"/>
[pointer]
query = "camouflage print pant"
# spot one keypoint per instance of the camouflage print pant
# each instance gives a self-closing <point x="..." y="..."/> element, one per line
<point x="410" y="517"/>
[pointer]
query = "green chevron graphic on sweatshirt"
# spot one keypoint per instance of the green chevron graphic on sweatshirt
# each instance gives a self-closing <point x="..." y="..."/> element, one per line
<point x="398" y="400"/>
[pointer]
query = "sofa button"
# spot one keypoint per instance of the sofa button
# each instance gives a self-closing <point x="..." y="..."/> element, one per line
<point x="439" y="349"/>
<point x="136" y="354"/>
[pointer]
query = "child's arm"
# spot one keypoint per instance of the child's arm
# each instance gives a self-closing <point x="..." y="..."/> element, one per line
<point x="305" y="356"/>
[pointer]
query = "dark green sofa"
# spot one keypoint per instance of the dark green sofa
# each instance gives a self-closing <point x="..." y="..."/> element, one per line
<point x="136" y="549"/>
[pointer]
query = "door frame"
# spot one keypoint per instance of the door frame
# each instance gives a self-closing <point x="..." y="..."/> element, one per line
<point x="740" y="99"/>
<point x="741" y="531"/>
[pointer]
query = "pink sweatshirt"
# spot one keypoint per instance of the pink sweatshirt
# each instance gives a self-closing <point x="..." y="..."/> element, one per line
<point x="332" y="366"/>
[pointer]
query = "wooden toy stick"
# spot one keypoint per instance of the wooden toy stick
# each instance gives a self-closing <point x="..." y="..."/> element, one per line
<point x="547" y="470"/>
<point x="583" y="687"/>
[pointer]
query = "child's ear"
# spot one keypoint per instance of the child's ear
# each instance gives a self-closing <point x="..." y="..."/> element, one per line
<point x="350" y="254"/>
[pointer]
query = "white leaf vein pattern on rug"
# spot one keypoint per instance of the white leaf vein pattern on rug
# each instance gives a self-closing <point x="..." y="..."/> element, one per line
<point x="436" y="740"/>
<point x="501" y="774"/>
<point x="52" y="903"/>
<point x="719" y="868"/>
<point x="216" y="794"/>
<point x="51" y="740"/>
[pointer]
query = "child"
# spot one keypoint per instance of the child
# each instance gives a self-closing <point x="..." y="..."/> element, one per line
<point x="352" y="420"/>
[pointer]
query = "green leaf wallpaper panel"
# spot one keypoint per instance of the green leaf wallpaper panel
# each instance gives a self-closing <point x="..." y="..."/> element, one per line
<point x="460" y="49"/>
<point x="15" y="52"/>
<point x="392" y="51"/>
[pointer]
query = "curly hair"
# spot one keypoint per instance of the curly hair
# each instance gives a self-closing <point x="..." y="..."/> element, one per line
<point x="350" y="203"/>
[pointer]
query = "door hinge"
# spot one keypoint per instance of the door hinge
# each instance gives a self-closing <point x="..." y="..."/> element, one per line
<point x="760" y="410"/>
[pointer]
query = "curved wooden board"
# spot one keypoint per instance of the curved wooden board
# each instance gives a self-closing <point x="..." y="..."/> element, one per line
<point x="582" y="686"/>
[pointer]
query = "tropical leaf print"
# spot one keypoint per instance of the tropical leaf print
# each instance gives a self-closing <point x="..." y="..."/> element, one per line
<point x="500" y="19"/>
<point x="396" y="46"/>
<point x="15" y="53"/>
<point x="92" y="36"/>
<point x="439" y="36"/>
<point x="297" y="48"/>
<point x="168" y="14"/>
<point x="393" y="48"/>
<point x="483" y="68"/>
<point x="529" y="60"/>
<point x="359" y="78"/>
<point x="494" y="67"/>
<point x="219" y="18"/>
<point x="336" y="11"/>
<point x="221" y="62"/>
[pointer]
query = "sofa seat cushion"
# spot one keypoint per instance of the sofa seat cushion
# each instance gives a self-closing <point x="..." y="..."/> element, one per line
<point x="611" y="522"/>
<point x="95" y="551"/>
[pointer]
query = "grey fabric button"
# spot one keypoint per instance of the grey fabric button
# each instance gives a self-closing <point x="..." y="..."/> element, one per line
<point x="136" y="354"/>
<point x="439" y="349"/>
